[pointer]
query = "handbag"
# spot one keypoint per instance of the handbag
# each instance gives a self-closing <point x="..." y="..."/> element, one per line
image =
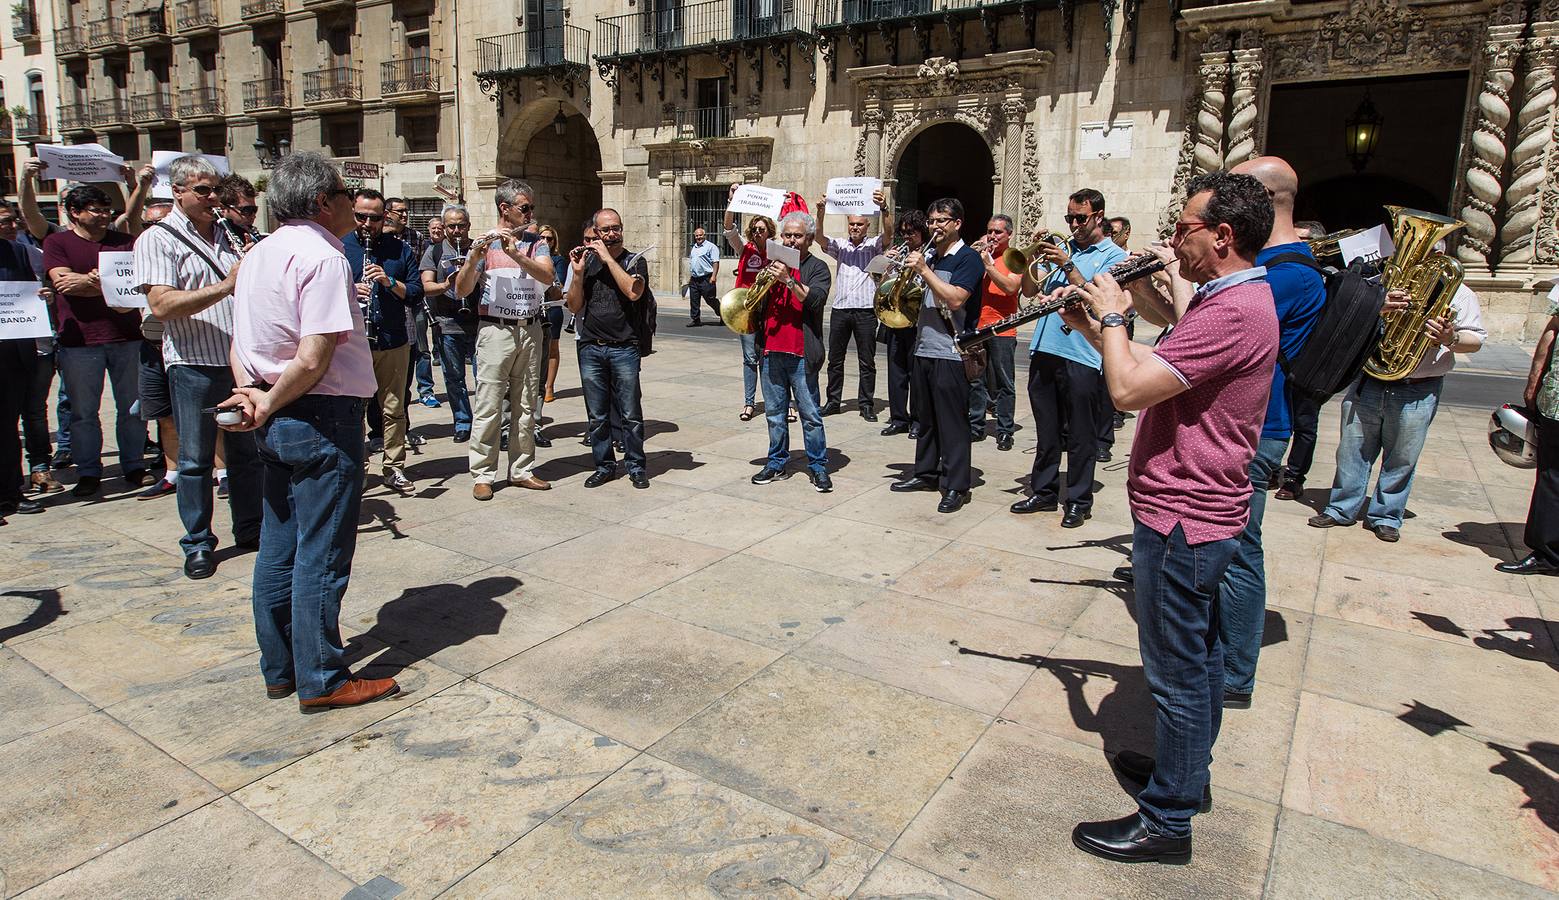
<point x="974" y="360"/>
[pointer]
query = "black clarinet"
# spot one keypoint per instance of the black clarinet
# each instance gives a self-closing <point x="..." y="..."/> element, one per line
<point x="1123" y="272"/>
<point x="369" y="307"/>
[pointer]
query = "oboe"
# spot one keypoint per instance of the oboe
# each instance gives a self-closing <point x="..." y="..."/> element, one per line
<point x="370" y="323"/>
<point x="1123" y="272"/>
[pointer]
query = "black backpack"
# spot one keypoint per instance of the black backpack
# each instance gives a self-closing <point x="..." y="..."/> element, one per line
<point x="648" y="310"/>
<point x="1345" y="332"/>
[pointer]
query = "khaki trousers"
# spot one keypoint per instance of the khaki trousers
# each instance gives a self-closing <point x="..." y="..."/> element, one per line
<point x="390" y="374"/>
<point x="505" y="368"/>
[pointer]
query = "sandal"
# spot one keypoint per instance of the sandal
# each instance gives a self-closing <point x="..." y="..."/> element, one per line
<point x="748" y="412"/>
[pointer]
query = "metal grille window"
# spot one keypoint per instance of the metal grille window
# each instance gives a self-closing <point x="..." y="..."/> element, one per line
<point x="705" y="209"/>
<point x="422" y="210"/>
<point x="419" y="132"/>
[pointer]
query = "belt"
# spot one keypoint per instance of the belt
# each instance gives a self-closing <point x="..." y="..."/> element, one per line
<point x="701" y="277"/>
<point x="498" y="320"/>
<point x="1422" y="380"/>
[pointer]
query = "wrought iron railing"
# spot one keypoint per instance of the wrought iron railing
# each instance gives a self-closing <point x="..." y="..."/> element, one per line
<point x="201" y="101"/>
<point x="148" y="24"/>
<point x="69" y="40"/>
<point x="111" y="111"/>
<point x="194" y="15"/>
<point x="267" y="93"/>
<point x="154" y="107"/>
<point x="30" y="127"/>
<point x="104" y="32"/>
<point x="335" y="83"/>
<point x="704" y="122"/>
<point x="700" y="24"/>
<point x="259" y="9"/>
<point x="535" y="48"/>
<point x="74" y="117"/>
<point x="402" y="76"/>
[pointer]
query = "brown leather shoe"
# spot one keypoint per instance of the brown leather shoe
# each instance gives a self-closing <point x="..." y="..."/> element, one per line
<point x="279" y="691"/>
<point x="482" y="490"/>
<point x="355" y="692"/>
<point x="532" y="483"/>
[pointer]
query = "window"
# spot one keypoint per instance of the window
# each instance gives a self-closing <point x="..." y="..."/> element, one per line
<point x="166" y="140"/>
<point x="705" y="209"/>
<point x="421" y="210"/>
<point x="712" y="115"/>
<point x="212" y="140"/>
<point x="419" y="131"/>
<point x="344" y="135"/>
<point x="35" y="103"/>
<point x="418" y="42"/>
<point x="271" y="59"/>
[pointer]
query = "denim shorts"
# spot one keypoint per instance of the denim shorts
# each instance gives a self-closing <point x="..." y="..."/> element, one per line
<point x="555" y="323"/>
<point x="156" y="398"/>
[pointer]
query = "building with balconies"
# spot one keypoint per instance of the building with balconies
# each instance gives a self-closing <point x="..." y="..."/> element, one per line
<point x="27" y="90"/>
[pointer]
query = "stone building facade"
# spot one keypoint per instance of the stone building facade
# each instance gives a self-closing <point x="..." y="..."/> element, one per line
<point x="27" y="89"/>
<point x="655" y="108"/>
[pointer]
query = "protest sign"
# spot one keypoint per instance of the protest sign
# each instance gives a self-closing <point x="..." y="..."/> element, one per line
<point x="23" y="314"/>
<point x="778" y="252"/>
<point x="162" y="187"/>
<point x="80" y="162"/>
<point x="755" y="199"/>
<point x="1371" y="246"/>
<point x="117" y="272"/>
<point x="512" y="294"/>
<point x="853" y="196"/>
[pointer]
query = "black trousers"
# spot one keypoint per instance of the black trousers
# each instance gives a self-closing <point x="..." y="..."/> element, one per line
<point x="35" y="414"/>
<point x="18" y="361"/>
<point x="701" y="287"/>
<point x="1305" y="413"/>
<point x="942" y="409"/>
<point x="1542" y="532"/>
<point x="1104" y="415"/>
<point x="860" y="324"/>
<point x="901" y="349"/>
<point x="1064" y="395"/>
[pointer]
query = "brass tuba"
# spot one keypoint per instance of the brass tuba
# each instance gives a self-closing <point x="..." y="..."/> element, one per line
<point x="898" y="299"/>
<point x="741" y="309"/>
<point x="1429" y="279"/>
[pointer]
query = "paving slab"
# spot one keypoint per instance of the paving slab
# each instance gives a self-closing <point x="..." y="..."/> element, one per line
<point x="730" y="523"/>
<point x="619" y="562"/>
<point x="1012" y="585"/>
<point x="31" y="701"/>
<point x="870" y="553"/>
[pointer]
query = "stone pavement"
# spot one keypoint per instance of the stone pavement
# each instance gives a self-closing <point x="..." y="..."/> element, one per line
<point x="716" y="689"/>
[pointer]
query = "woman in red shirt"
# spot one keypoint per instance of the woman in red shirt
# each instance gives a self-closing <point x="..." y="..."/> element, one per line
<point x="754" y="256"/>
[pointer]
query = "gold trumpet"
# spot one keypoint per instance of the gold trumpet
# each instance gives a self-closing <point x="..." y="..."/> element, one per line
<point x="741" y="309"/>
<point x="899" y="296"/>
<point x="1331" y="245"/>
<point x="1018" y="260"/>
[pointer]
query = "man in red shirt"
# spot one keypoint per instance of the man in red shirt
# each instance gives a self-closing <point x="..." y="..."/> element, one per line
<point x="999" y="294"/>
<point x="1203" y="395"/>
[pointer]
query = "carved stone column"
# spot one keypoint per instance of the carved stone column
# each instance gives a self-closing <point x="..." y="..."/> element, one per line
<point x="871" y="163"/>
<point x="1247" y="67"/>
<point x="1489" y="137"/>
<point x="1529" y="157"/>
<point x="1211" y="103"/>
<point x="1013" y="111"/>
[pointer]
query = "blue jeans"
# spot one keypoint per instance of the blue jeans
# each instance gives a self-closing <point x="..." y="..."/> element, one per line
<point x="784" y="378"/>
<point x="610" y="377"/>
<point x="312" y="451"/>
<point x="1182" y="661"/>
<point x="1389" y="420"/>
<point x="749" y="368"/>
<point x="1242" y="598"/>
<point x="192" y="389"/>
<point x="82" y="369"/>
<point x="62" y="411"/>
<point x="457" y="351"/>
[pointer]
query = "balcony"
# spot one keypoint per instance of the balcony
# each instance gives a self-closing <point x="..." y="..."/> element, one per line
<point x="112" y="114"/>
<point x="31" y="128"/>
<point x="704" y="122"/>
<point x="260" y="10"/>
<point x="267" y="96"/>
<point x="69" y="42"/>
<point x="105" y="33"/>
<point x="149" y="27"/>
<point x="155" y="108"/>
<point x="326" y="4"/>
<point x="196" y="17"/>
<point x="201" y="103"/>
<point x="337" y="86"/>
<point x="74" y="117"/>
<point x="410" y="80"/>
<point x="854" y="19"/>
<point x="24" y="22"/>
<point x="700" y="26"/>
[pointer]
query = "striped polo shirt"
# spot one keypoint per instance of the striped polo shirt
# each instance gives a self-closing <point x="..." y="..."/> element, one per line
<point x="161" y="258"/>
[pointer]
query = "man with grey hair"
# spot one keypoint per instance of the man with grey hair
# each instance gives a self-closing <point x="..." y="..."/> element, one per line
<point x="188" y="270"/>
<point x="792" y="325"/>
<point x="300" y="350"/>
<point x="454" y="314"/>
<point x="511" y="333"/>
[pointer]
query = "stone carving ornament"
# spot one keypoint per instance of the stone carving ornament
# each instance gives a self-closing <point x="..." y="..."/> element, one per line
<point x="1374" y="37"/>
<point x="1031" y="203"/>
<point x="1243" y="118"/>
<point x="1534" y="142"/>
<point x="1488" y="160"/>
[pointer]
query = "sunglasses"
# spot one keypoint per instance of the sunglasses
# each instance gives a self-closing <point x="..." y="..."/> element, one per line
<point x="199" y="190"/>
<point x="1077" y="218"/>
<point x="524" y="208"/>
<point x="460" y="227"/>
<point x="245" y="210"/>
<point x="368" y="217"/>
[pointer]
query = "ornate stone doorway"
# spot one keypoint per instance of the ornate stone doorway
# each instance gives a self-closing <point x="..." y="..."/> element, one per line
<point x="948" y="159"/>
<point x="563" y="168"/>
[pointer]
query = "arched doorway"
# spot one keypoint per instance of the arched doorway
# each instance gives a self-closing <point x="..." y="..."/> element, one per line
<point x="560" y="158"/>
<point x="949" y="159"/>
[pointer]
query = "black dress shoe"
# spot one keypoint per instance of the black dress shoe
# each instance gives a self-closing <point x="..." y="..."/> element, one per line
<point x="541" y="441"/>
<point x="600" y="477"/>
<point x="1129" y="840"/>
<point x="462" y="436"/>
<point x="1123" y="573"/>
<point x="952" y="501"/>
<point x="914" y="432"/>
<point x="1003" y="442"/>
<point x="830" y="408"/>
<point x="977" y="435"/>
<point x="1033" y="505"/>
<point x="868" y="414"/>
<point x="894" y="428"/>
<point x="639" y="480"/>
<point x="200" y="564"/>
<point x="1236" y="699"/>
<point x="1529" y="566"/>
<point x="1105" y="455"/>
<point x="1137" y="768"/>
<point x="22" y="507"/>
<point x="913" y="484"/>
<point x="1075" y="516"/>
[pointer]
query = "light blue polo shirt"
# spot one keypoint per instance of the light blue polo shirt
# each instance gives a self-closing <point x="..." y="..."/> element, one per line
<point x="1048" y="336"/>
<point x="701" y="258"/>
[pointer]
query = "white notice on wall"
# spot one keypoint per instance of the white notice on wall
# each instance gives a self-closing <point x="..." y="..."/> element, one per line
<point x="778" y="252"/>
<point x="1105" y="140"/>
<point x="755" y="199"/>
<point x="162" y="187"/>
<point x="1553" y="293"/>
<point x="512" y="294"/>
<point x="1372" y="245"/>
<point x="853" y="196"/>
<point x="80" y="162"/>
<point x="23" y="314"/>
<point x="117" y="272"/>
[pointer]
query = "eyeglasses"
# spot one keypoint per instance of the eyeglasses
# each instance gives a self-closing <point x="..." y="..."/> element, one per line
<point x="940" y="220"/>
<point x="245" y="210"/>
<point x="1077" y="218"/>
<point x="613" y="228"/>
<point x="368" y="217"/>
<point x="1184" y="228"/>
<point x="98" y="211"/>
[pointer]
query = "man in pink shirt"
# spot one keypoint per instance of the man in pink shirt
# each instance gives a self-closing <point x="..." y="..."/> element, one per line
<point x="301" y="353"/>
<point x="1203" y="395"/>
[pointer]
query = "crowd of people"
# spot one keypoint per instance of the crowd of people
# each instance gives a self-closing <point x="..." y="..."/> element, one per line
<point x="275" y="367"/>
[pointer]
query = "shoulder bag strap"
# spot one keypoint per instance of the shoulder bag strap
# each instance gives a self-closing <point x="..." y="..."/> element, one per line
<point x="191" y="244"/>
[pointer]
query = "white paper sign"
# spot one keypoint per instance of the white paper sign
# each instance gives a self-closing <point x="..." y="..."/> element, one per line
<point x="1371" y="246"/>
<point x="853" y="196"/>
<point x="778" y="252"/>
<point x="117" y="272"/>
<point x="512" y="294"/>
<point x="879" y="265"/>
<point x="755" y="199"/>
<point x="80" y="162"/>
<point x="162" y="187"/>
<point x="23" y="314"/>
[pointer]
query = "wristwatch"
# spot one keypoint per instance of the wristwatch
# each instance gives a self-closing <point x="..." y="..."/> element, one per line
<point x="1111" y="320"/>
<point x="1068" y="267"/>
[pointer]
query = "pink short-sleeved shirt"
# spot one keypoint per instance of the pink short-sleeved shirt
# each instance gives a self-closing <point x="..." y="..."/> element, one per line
<point x="295" y="283"/>
<point x="1192" y="452"/>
